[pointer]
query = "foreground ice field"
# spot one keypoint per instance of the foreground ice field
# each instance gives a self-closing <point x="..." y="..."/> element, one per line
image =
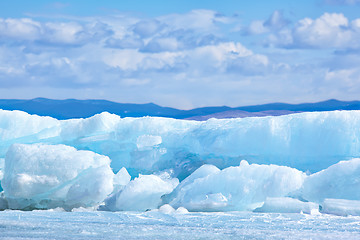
<point x="157" y="225"/>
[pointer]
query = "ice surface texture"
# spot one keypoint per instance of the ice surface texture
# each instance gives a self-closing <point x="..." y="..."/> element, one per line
<point x="305" y="141"/>
<point x="45" y="176"/>
<point x="196" y="165"/>
<point x="154" y="225"/>
<point x="238" y="188"/>
<point x="341" y="180"/>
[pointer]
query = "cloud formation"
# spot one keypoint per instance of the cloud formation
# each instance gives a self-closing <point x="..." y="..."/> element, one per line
<point x="181" y="60"/>
<point x="331" y="30"/>
<point x="275" y="22"/>
<point x="53" y="33"/>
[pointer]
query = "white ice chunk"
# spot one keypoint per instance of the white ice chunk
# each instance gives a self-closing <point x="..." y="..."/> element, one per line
<point x="91" y="127"/>
<point x="92" y="188"/>
<point x="167" y="209"/>
<point x="341" y="180"/>
<point x="121" y="178"/>
<point x="287" y="205"/>
<point x="201" y="172"/>
<point x="84" y="209"/>
<point x="238" y="188"/>
<point x="49" y="176"/>
<point x="143" y="193"/>
<point x="181" y="210"/>
<point x="144" y="142"/>
<point x="341" y="207"/>
<point x="18" y="125"/>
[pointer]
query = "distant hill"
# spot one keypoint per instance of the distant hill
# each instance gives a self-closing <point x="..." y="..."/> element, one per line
<point x="241" y="114"/>
<point x="73" y="108"/>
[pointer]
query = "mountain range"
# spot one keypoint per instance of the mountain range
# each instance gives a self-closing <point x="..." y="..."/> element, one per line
<point x="73" y="108"/>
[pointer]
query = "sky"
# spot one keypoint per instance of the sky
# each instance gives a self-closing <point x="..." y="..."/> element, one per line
<point x="182" y="54"/>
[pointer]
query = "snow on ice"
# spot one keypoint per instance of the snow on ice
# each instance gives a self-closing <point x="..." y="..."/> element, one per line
<point x="305" y="162"/>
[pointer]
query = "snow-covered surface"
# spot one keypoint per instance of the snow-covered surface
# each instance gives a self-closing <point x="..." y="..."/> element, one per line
<point x="294" y="163"/>
<point x="157" y="225"/>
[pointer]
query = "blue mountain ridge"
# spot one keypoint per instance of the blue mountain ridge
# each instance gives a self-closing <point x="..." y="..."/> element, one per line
<point x="73" y="108"/>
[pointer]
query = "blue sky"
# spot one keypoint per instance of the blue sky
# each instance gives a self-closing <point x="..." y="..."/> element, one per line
<point x="181" y="54"/>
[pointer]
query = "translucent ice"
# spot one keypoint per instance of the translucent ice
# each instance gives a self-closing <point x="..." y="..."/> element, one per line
<point x="121" y="179"/>
<point x="341" y="207"/>
<point x="341" y="180"/>
<point x="145" y="142"/>
<point x="201" y="172"/>
<point x="238" y="188"/>
<point x="40" y="172"/>
<point x="48" y="176"/>
<point x="287" y="205"/>
<point x="2" y="164"/>
<point x="142" y="193"/>
<point x="305" y="141"/>
<point x="3" y="202"/>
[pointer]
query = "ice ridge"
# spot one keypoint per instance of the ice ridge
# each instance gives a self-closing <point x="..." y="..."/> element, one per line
<point x="304" y="162"/>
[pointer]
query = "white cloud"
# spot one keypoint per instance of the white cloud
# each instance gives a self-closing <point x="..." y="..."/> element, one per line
<point x="209" y="59"/>
<point x="275" y="22"/>
<point x="331" y="30"/>
<point x="147" y="28"/>
<point x="67" y="33"/>
<point x="22" y="29"/>
<point x="162" y="44"/>
<point x="216" y="58"/>
<point x="200" y="20"/>
<point x="127" y="42"/>
<point x="257" y="27"/>
<point x="344" y="80"/>
<point x="191" y="57"/>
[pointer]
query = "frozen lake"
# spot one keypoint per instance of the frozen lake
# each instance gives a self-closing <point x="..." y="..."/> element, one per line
<point x="156" y="225"/>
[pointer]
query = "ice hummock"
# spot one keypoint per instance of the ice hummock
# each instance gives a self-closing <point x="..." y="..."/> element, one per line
<point x="288" y="205"/>
<point x="305" y="141"/>
<point x="237" y="188"/>
<point x="341" y="180"/>
<point x="341" y="207"/>
<point x="141" y="194"/>
<point x="39" y="176"/>
<point x="70" y="164"/>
